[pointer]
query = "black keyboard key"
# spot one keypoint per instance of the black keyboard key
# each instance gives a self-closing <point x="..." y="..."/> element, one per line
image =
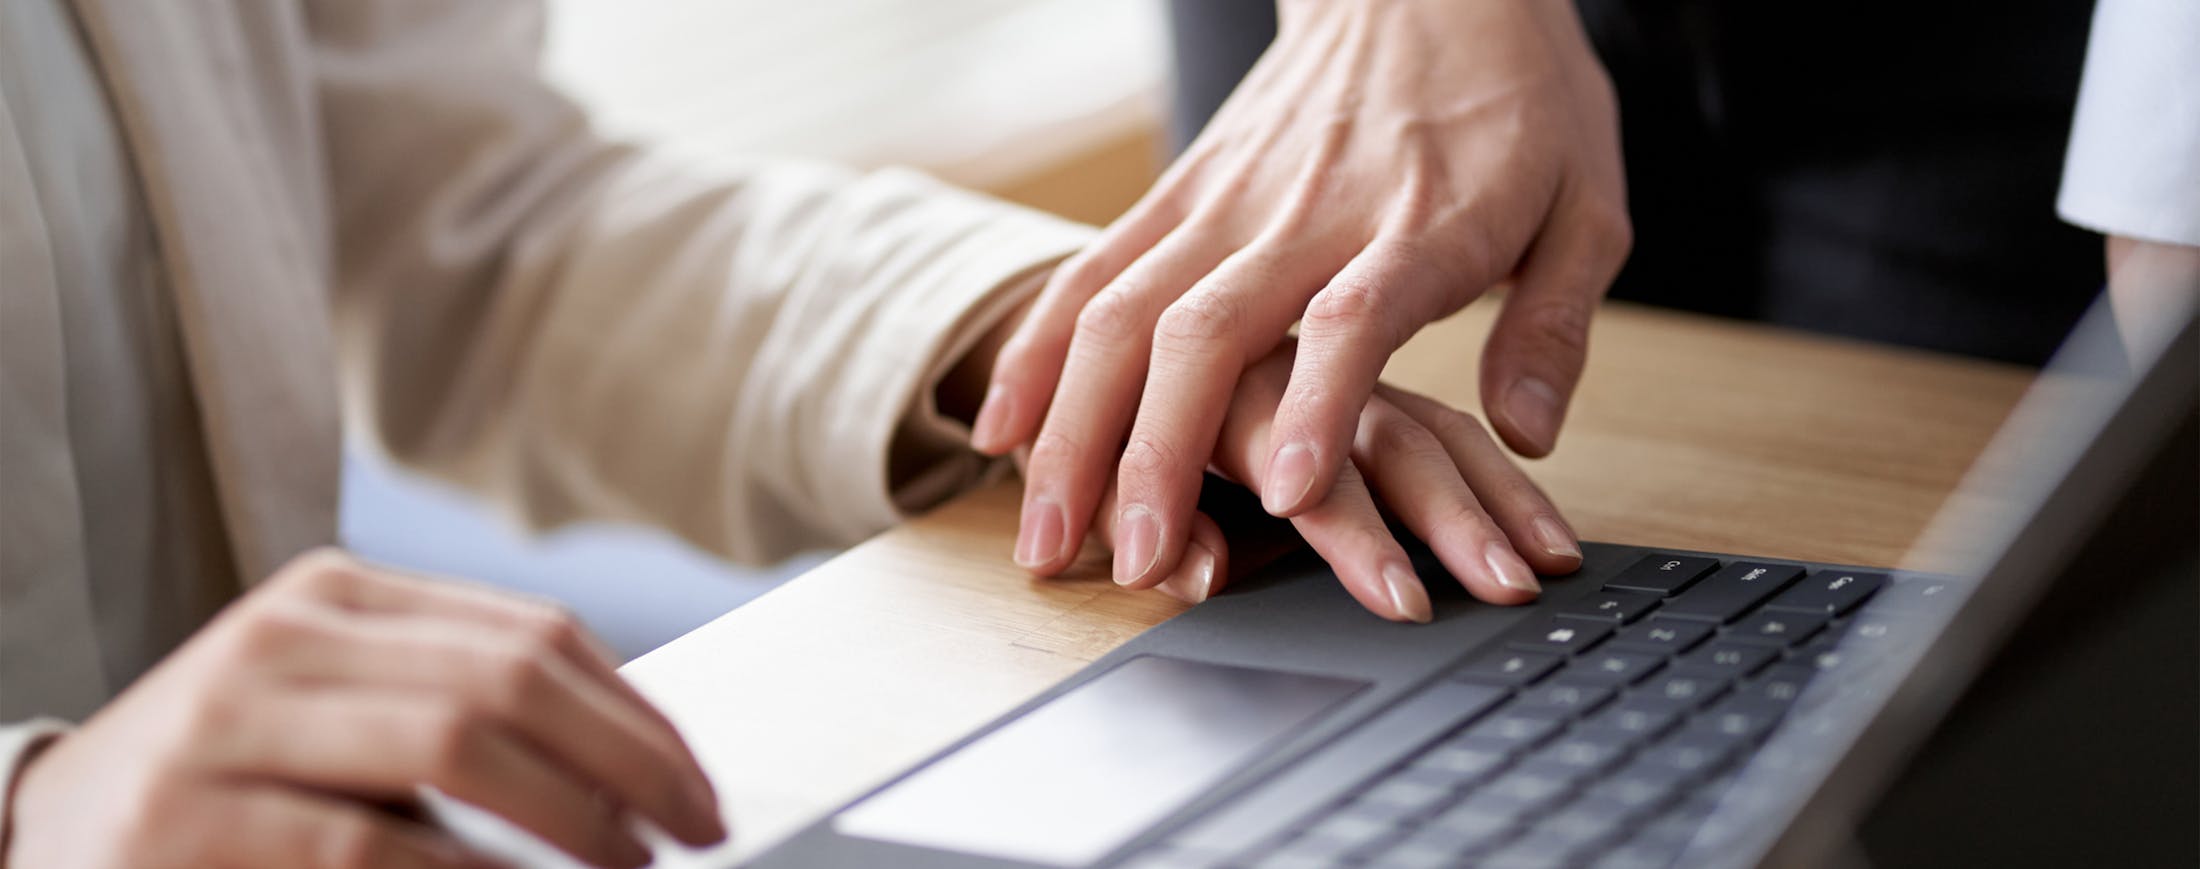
<point x="1775" y="628"/>
<point x="1617" y="607"/>
<point x="1411" y="792"/>
<point x="1458" y="764"/>
<point x="1638" y="719"/>
<point x="1724" y="658"/>
<point x="1736" y="717"/>
<point x="1829" y="592"/>
<point x="1430" y="847"/>
<point x="1558" y="636"/>
<point x="1662" y="636"/>
<point x="1588" y="751"/>
<point x="1351" y="833"/>
<point x="1530" y="789"/>
<point x="1507" y="668"/>
<point x="1305" y="853"/>
<point x="1562" y="700"/>
<point x="1641" y="788"/>
<point x="1695" y="752"/>
<point x="1779" y="685"/>
<point x="1588" y="821"/>
<point x="1508" y="732"/>
<point x="1681" y="690"/>
<point x="1907" y="594"/>
<point x="1471" y="824"/>
<point x="1614" y="668"/>
<point x="1734" y="590"/>
<point x="1537" y="850"/>
<point x="1663" y="574"/>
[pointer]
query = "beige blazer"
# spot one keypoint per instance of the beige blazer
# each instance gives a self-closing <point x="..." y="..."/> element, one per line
<point x="567" y="325"/>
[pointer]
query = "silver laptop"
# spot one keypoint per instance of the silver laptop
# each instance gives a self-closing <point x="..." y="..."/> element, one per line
<point x="2030" y="702"/>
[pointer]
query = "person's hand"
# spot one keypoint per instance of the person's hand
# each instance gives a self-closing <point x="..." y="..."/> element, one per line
<point x="289" y="730"/>
<point x="1437" y="469"/>
<point x="2151" y="286"/>
<point x="1384" y="164"/>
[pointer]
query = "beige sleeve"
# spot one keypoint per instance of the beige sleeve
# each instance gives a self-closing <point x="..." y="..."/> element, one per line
<point x="578" y="328"/>
<point x="18" y="741"/>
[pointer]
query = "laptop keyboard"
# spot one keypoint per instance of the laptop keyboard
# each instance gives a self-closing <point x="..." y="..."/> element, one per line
<point x="1603" y="734"/>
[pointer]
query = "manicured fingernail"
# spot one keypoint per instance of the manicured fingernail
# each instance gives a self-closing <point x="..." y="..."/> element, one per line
<point x="1408" y="598"/>
<point x="1138" y="544"/>
<point x="1194" y="579"/>
<point x="1510" y="571"/>
<point x="1557" y="541"/>
<point x="1040" y="540"/>
<point x="990" y="428"/>
<point x="1290" y="478"/>
<point x="1533" y="406"/>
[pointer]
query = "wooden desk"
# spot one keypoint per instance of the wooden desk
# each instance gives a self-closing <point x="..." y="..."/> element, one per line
<point x="1688" y="432"/>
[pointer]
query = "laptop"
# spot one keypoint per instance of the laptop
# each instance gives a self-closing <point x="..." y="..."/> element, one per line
<point x="2022" y="691"/>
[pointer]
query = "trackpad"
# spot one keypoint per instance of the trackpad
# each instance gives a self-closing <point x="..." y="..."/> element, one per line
<point x="1077" y="778"/>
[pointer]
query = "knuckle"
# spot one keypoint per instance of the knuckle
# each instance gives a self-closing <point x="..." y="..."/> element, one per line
<point x="316" y="572"/>
<point x="1611" y="232"/>
<point x="450" y="738"/>
<point x="1081" y="269"/>
<point x="1346" y="304"/>
<point x="1053" y="448"/>
<point x="1397" y="438"/>
<point x="1453" y="424"/>
<point x="1110" y="318"/>
<point x="1561" y="325"/>
<point x="1198" y="320"/>
<point x="520" y="680"/>
<point x="1147" y="458"/>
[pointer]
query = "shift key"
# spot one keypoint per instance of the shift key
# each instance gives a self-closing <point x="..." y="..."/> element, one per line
<point x="1733" y="591"/>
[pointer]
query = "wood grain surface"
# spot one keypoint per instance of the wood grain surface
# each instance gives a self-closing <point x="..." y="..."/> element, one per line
<point x="1687" y="432"/>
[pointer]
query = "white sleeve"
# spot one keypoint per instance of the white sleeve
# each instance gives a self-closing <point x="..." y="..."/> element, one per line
<point x="2133" y="168"/>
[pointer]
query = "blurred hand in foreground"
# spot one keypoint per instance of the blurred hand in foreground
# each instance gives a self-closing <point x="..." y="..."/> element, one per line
<point x="297" y="726"/>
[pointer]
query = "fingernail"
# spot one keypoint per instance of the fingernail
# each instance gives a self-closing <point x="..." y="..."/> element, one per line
<point x="1557" y="541"/>
<point x="988" y="430"/>
<point x="1290" y="478"/>
<point x="1040" y="539"/>
<point x="1408" y="598"/>
<point x="1510" y="571"/>
<point x="1194" y="579"/>
<point x="1138" y="544"/>
<point x="1533" y="406"/>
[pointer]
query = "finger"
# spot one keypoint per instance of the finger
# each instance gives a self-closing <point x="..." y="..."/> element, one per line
<point x="1030" y="364"/>
<point x="1540" y="342"/>
<point x="339" y="579"/>
<point x="1345" y="528"/>
<point x="1204" y="340"/>
<point x="1205" y="567"/>
<point x="1351" y="327"/>
<point x="531" y="690"/>
<point x="261" y="826"/>
<point x="1534" y="526"/>
<point x="382" y="745"/>
<point x="1078" y="445"/>
<point x="1349" y="533"/>
<point x="1409" y="469"/>
<point x="1203" y="570"/>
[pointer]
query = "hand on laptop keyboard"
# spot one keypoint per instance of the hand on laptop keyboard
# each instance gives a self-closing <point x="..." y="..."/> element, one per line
<point x="1435" y="468"/>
